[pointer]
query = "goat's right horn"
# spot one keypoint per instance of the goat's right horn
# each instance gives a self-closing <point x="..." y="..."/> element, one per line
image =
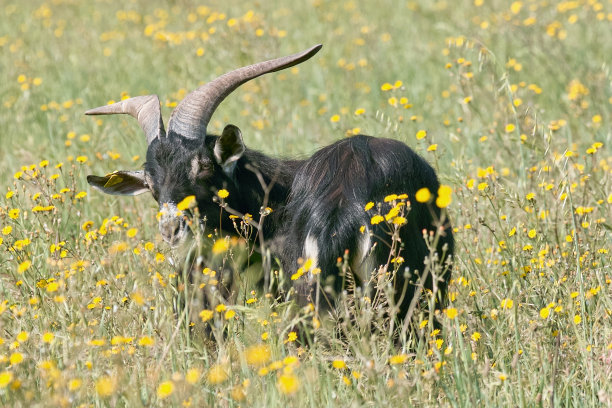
<point x="191" y="116"/>
<point x="144" y="108"/>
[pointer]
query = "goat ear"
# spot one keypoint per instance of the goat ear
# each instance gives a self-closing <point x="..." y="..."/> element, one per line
<point x="120" y="183"/>
<point x="229" y="147"/>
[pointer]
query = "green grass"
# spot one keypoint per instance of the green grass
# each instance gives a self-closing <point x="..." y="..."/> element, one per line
<point x="515" y="99"/>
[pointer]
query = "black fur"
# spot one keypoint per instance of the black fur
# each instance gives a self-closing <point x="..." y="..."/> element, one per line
<point x="327" y="202"/>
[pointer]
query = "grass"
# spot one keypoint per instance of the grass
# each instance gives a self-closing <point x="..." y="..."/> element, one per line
<point x="515" y="103"/>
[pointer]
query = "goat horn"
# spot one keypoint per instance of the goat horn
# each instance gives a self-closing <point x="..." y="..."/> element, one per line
<point x="191" y="116"/>
<point x="144" y="108"/>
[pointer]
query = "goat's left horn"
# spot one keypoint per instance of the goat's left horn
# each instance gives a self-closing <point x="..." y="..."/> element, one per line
<point x="191" y="116"/>
<point x="144" y="108"/>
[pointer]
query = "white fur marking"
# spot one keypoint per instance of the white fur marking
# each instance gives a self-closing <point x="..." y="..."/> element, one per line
<point x="195" y="168"/>
<point x="362" y="263"/>
<point x="311" y="251"/>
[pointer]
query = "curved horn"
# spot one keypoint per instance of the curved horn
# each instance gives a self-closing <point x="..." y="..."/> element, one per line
<point x="191" y="116"/>
<point x="144" y="108"/>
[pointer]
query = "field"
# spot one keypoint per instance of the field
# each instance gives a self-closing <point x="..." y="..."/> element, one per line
<point x="509" y="101"/>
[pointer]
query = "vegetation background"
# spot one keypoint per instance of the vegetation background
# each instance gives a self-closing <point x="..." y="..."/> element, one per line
<point x="509" y="101"/>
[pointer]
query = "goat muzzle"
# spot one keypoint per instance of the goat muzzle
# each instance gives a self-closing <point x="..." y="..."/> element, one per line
<point x="172" y="224"/>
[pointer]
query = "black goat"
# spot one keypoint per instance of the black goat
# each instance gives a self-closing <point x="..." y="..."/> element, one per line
<point x="318" y="203"/>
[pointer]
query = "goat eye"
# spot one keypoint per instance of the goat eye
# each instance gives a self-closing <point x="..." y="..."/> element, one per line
<point x="205" y="169"/>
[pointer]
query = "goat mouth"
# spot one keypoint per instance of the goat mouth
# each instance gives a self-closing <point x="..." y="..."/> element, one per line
<point x="177" y="236"/>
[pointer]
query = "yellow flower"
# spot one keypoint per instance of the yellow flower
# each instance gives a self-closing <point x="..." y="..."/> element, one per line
<point x="483" y="186"/>
<point x="146" y="341"/>
<point x="507" y="303"/>
<point x="368" y="206"/>
<point x="165" y="389"/>
<point x="81" y="159"/>
<point x="386" y="86"/>
<point x="223" y="193"/>
<point x="423" y="195"/>
<point x="238" y="393"/>
<point x="399" y="220"/>
<point x="192" y="376"/>
<point x="532" y="233"/>
<point x="451" y="313"/>
<point x="291" y="337"/>
<point x="393" y="212"/>
<point x="5" y="378"/>
<point x="476" y="336"/>
<point x="544" y="312"/>
<point x="23" y="337"/>
<point x="359" y="111"/>
<point x="444" y="196"/>
<point x="510" y="127"/>
<point x="229" y="314"/>
<point x="24" y="266"/>
<point x="48" y="337"/>
<point x="13" y="213"/>
<point x="335" y="118"/>
<point x="377" y="219"/>
<point x="16" y="358"/>
<point x="220" y="246"/>
<point x="288" y="384"/>
<point x="421" y="134"/>
<point x="398" y="359"/>
<point x="258" y="355"/>
<point x="105" y="386"/>
<point x="206" y="315"/>
<point x="577" y="319"/>
<point x="339" y="364"/>
<point x="137" y="298"/>
<point x="117" y="247"/>
<point x="74" y="384"/>
<point x="217" y="374"/>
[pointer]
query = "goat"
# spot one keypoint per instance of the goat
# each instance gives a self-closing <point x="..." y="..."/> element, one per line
<point x="318" y="202"/>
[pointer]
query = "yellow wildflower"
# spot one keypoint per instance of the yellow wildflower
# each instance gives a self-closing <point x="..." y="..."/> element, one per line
<point x="165" y="389"/>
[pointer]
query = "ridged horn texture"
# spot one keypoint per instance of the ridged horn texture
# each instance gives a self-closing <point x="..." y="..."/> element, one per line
<point x="191" y="116"/>
<point x="144" y="108"/>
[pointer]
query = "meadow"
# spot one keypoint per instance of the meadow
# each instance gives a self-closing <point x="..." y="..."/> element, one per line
<point x="510" y="101"/>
